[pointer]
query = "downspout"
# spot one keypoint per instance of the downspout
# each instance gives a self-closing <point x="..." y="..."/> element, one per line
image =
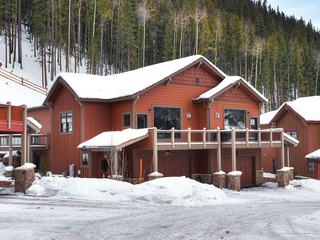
<point x="10" y="135"/>
<point x="24" y="157"/>
<point x="49" y="105"/>
<point x="133" y="118"/>
<point x="82" y="134"/>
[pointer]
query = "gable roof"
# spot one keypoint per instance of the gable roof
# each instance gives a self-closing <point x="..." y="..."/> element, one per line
<point x="227" y="83"/>
<point x="114" y="139"/>
<point x="128" y="84"/>
<point x="305" y="108"/>
<point x="314" y="155"/>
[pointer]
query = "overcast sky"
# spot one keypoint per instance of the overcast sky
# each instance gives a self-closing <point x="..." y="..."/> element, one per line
<point x="307" y="9"/>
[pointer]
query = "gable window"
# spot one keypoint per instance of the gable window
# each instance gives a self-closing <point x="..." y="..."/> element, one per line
<point x="126" y="120"/>
<point x="235" y="118"/>
<point x="66" y="122"/>
<point x="167" y="118"/>
<point x="142" y="121"/>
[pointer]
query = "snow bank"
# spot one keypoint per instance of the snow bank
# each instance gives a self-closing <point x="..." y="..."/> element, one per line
<point x="177" y="191"/>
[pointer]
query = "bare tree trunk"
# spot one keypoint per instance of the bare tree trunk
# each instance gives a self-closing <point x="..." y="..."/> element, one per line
<point x="68" y="39"/>
<point x="19" y="35"/>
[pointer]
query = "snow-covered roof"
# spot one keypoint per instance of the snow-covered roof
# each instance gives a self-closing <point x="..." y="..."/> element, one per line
<point x="115" y="139"/>
<point x="228" y="82"/>
<point x="313" y="155"/>
<point x="34" y="123"/>
<point x="125" y="84"/>
<point x="307" y="107"/>
<point x="265" y="118"/>
<point x="290" y="140"/>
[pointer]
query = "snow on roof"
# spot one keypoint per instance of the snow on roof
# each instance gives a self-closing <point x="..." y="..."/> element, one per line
<point x="127" y="83"/>
<point x="114" y="138"/>
<point x="265" y="118"/>
<point x="313" y="155"/>
<point x="34" y="122"/>
<point x="306" y="107"/>
<point x="291" y="139"/>
<point x="227" y="82"/>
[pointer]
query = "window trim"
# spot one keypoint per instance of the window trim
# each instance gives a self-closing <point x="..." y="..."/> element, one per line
<point x="66" y="118"/>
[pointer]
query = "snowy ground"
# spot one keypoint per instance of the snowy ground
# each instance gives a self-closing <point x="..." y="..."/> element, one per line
<point x="166" y="208"/>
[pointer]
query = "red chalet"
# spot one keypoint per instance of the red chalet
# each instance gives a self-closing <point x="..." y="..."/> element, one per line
<point x="301" y="120"/>
<point x="178" y="118"/>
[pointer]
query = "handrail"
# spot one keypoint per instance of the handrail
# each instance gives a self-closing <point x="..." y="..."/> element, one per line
<point x="187" y="137"/>
<point x="22" y="81"/>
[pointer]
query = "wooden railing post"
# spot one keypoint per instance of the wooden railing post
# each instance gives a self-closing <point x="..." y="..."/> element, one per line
<point x="172" y="137"/>
<point x="204" y="137"/>
<point x="189" y="137"/>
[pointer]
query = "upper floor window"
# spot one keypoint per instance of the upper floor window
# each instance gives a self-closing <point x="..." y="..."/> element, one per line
<point x="142" y="121"/>
<point x="167" y="118"/>
<point x="292" y="134"/>
<point x="234" y="118"/>
<point x="126" y="120"/>
<point x="66" y="122"/>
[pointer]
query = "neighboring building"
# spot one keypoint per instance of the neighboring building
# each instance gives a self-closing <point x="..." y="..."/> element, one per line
<point x="175" y="118"/>
<point x="301" y="120"/>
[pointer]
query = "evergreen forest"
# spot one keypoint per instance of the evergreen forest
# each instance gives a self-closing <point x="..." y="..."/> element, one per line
<point x="278" y="54"/>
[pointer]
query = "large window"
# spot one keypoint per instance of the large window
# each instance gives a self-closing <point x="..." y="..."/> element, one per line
<point x="234" y="118"/>
<point x="167" y="118"/>
<point x="66" y="122"/>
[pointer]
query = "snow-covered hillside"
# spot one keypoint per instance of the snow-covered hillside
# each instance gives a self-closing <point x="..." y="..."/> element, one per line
<point x="31" y="71"/>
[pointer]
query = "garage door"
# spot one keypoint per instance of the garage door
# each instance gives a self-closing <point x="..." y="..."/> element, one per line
<point x="176" y="165"/>
<point x="245" y="165"/>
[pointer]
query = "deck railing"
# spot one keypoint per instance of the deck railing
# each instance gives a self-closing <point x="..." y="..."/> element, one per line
<point x="212" y="138"/>
<point x="36" y="141"/>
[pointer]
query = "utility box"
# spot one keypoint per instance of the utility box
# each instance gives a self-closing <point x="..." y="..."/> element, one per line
<point x="71" y="170"/>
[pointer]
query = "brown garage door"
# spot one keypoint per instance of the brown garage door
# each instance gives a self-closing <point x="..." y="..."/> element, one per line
<point x="174" y="165"/>
<point x="245" y="165"/>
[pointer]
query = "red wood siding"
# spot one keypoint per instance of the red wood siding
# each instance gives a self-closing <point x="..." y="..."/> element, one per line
<point x="96" y="119"/>
<point x="65" y="150"/>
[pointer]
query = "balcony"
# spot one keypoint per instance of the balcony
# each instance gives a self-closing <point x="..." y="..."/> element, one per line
<point x="218" y="138"/>
<point x="36" y="141"/>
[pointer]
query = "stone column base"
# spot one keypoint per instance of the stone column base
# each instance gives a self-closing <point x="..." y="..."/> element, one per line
<point x="291" y="169"/>
<point x="154" y="175"/>
<point x="283" y="177"/>
<point x="24" y="178"/>
<point x="219" y="179"/>
<point x="259" y="177"/>
<point x="234" y="180"/>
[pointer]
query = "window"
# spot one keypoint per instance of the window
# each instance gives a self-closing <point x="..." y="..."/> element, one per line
<point x="66" y="122"/>
<point x="126" y="120"/>
<point x="197" y="81"/>
<point x="142" y="121"/>
<point x="292" y="134"/>
<point x="311" y="166"/>
<point x="167" y="118"/>
<point x="85" y="159"/>
<point x="234" y="118"/>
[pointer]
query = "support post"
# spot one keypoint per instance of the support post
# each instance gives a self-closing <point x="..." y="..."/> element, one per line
<point x="219" y="150"/>
<point x="155" y="150"/>
<point x="282" y="149"/>
<point x="233" y="149"/>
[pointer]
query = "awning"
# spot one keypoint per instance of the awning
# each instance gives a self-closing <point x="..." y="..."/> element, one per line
<point x="114" y="139"/>
<point x="291" y="141"/>
<point x="314" y="155"/>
